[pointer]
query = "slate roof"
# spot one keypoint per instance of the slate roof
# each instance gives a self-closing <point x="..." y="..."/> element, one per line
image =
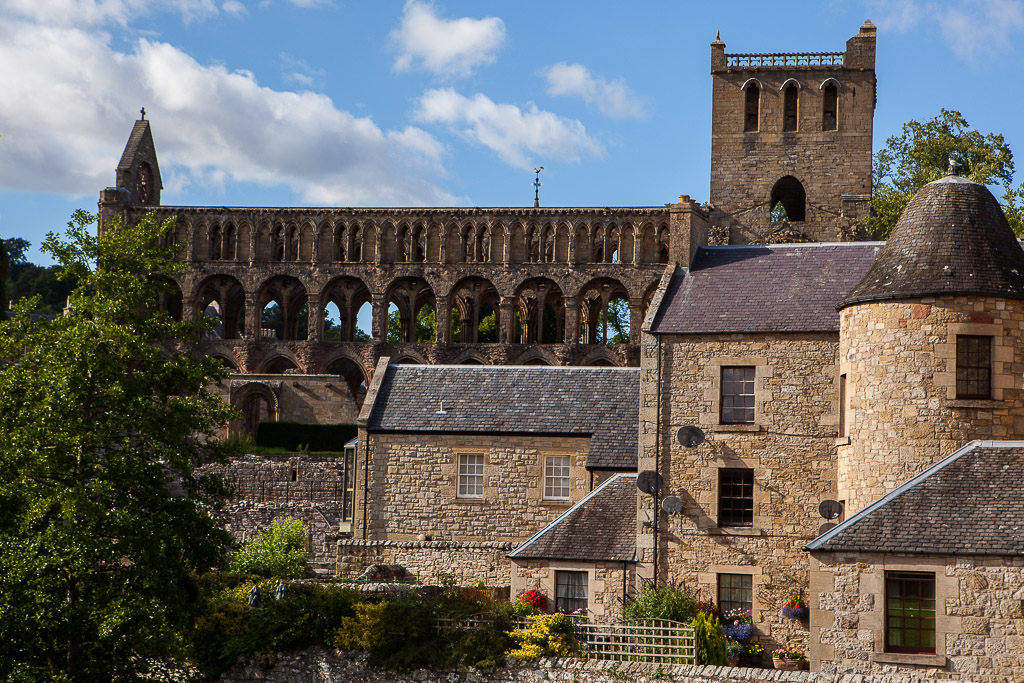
<point x="766" y="288"/>
<point x="970" y="503"/>
<point x="601" y="527"/>
<point x="952" y="238"/>
<point x="602" y="403"/>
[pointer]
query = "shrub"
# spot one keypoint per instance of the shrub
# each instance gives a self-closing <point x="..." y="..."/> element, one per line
<point x="664" y="601"/>
<point x="536" y="600"/>
<point x="279" y="551"/>
<point x="549" y="635"/>
<point x="708" y="640"/>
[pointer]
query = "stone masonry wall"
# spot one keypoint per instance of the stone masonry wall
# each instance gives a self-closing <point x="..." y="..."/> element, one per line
<point x="431" y="562"/>
<point x="979" y="616"/>
<point x="337" y="666"/>
<point x="413" y="486"/>
<point x="790" y="448"/>
<point x="903" y="414"/>
<point x="608" y="583"/>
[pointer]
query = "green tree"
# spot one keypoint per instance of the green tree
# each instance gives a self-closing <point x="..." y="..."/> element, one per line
<point x="922" y="154"/>
<point x="279" y="551"/>
<point x="105" y="419"/>
<point x="26" y="279"/>
<point x="426" y="326"/>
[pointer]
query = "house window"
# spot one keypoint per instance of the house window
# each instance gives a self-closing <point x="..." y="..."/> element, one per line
<point x="735" y="497"/>
<point x="789" y="115"/>
<point x="471" y="476"/>
<point x="830" y="107"/>
<point x="556" y="477"/>
<point x="752" y="104"/>
<point x="570" y="591"/>
<point x="973" y="366"/>
<point x="910" y="612"/>
<point x="738" y="395"/>
<point x="735" y="591"/>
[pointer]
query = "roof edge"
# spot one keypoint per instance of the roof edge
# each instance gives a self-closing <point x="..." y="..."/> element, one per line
<point x="370" y="400"/>
<point x="868" y="298"/>
<point x="905" y="487"/>
<point x="551" y="525"/>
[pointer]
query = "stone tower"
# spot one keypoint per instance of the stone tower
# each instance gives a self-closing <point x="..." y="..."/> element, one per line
<point x="794" y="130"/>
<point x="138" y="182"/>
<point x="929" y="341"/>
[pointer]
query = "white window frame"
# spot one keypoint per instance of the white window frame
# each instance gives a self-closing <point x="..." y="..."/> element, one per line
<point x="557" y="477"/>
<point x="470" y="476"/>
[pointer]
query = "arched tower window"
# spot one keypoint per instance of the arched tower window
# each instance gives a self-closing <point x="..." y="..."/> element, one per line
<point x="751" y="109"/>
<point x="789" y="108"/>
<point x="788" y="200"/>
<point x="830" y="107"/>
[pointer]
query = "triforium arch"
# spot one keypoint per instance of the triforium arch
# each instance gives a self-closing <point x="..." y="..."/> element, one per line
<point x="258" y="403"/>
<point x="168" y="296"/>
<point x="344" y="242"/>
<point x="222" y="241"/>
<point x="279" y="364"/>
<point x="290" y="322"/>
<point x="353" y="373"/>
<point x="654" y="243"/>
<point x="477" y="241"/>
<point x="226" y="357"/>
<point x="540" y="312"/>
<point x="604" y="312"/>
<point x="222" y="297"/>
<point x="751" y="105"/>
<point x="475" y="317"/>
<point x="349" y="295"/>
<point x="410" y="295"/>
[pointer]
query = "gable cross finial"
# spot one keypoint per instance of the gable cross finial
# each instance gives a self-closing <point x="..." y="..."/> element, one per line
<point x="536" y="186"/>
<point x="143" y="113"/>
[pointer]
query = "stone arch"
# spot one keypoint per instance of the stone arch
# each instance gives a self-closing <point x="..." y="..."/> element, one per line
<point x="600" y="358"/>
<point x="452" y="241"/>
<point x="353" y="373"/>
<point x="582" y="245"/>
<point x="536" y="357"/>
<point x="517" y="242"/>
<point x="540" y="312"/>
<point x="663" y="243"/>
<point x="648" y="298"/>
<point x="279" y="365"/>
<point x="335" y="242"/>
<point x="829" y="104"/>
<point x="474" y="301"/>
<point x="789" y="193"/>
<point x="410" y="295"/>
<point x="648" y="243"/>
<point x="418" y="243"/>
<point x="226" y="358"/>
<point x="409" y="358"/>
<point x="471" y="358"/>
<point x="751" y="105"/>
<point x="349" y="294"/>
<point x="790" y="106"/>
<point x="255" y="401"/>
<point x="168" y="296"/>
<point x="290" y="296"/>
<point x="222" y="296"/>
<point x="604" y="312"/>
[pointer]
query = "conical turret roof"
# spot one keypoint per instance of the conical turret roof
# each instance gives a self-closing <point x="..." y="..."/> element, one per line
<point x="952" y="239"/>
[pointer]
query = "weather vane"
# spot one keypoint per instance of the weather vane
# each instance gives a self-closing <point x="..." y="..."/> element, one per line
<point x="536" y="187"/>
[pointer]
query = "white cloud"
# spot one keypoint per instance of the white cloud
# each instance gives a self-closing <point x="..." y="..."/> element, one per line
<point x="447" y="47"/>
<point x="300" y="72"/>
<point x="515" y="135"/>
<point x="234" y="8"/>
<point x="210" y="125"/>
<point x="81" y="13"/>
<point x="973" y="28"/>
<point x="612" y="98"/>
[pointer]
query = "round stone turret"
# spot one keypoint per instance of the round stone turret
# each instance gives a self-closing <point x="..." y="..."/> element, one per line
<point x="930" y="353"/>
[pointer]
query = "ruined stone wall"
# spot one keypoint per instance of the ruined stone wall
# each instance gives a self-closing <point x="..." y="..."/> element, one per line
<point x="979" y="616"/>
<point x="413" y="486"/>
<point x="310" y="399"/>
<point x="790" y="448"/>
<point x="833" y="166"/>
<point x="902" y="412"/>
<point x="431" y="562"/>
<point x="609" y="584"/>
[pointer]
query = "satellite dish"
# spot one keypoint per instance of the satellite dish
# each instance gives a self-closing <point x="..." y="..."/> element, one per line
<point x="672" y="505"/>
<point x="830" y="509"/>
<point x="649" y="482"/>
<point x="825" y="528"/>
<point x="690" y="436"/>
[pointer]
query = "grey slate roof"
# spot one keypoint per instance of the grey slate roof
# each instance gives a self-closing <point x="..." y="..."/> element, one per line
<point x="601" y="527"/>
<point x="603" y="403"/>
<point x="970" y="503"/>
<point x="952" y="238"/>
<point x="767" y="288"/>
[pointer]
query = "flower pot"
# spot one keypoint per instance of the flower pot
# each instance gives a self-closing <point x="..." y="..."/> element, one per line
<point x="788" y="664"/>
<point x="734" y="660"/>
<point x="795" y="612"/>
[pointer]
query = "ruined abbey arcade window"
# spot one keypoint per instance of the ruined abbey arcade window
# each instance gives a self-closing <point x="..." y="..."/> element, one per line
<point x="788" y="200"/>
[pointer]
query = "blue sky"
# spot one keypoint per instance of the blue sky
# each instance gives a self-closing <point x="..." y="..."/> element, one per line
<point x="333" y="103"/>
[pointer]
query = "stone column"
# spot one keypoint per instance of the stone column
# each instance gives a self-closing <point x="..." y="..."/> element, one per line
<point x="315" y="319"/>
<point x="507" y="320"/>
<point x="252" y="316"/>
<point x="442" y="314"/>
<point x="636" y="319"/>
<point x="572" y="321"/>
<point x="188" y="310"/>
<point x="380" y="317"/>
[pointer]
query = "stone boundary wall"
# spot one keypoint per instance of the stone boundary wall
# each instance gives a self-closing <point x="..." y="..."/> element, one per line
<point x="428" y="560"/>
<point x="336" y="666"/>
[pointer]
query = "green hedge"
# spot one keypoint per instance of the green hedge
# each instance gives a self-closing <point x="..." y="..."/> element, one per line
<point x="292" y="435"/>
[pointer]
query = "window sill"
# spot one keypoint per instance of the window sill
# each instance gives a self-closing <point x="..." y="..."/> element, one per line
<point x="907" y="658"/>
<point x="735" y="531"/>
<point x="842" y="441"/>
<point x="974" y="403"/>
<point x="470" y="501"/>
<point x="726" y="428"/>
<point x="556" y="501"/>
